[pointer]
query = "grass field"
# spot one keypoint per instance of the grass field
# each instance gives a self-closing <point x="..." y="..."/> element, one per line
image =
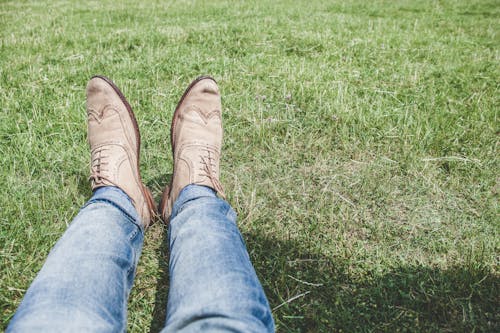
<point x="361" y="147"/>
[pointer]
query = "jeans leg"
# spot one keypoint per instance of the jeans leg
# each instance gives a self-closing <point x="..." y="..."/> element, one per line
<point x="213" y="285"/>
<point x="85" y="282"/>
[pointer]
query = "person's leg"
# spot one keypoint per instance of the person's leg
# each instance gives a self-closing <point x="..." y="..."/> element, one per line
<point x="85" y="282"/>
<point x="213" y="286"/>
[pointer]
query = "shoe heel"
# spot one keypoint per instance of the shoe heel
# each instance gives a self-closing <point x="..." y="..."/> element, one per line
<point x="150" y="202"/>
<point x="164" y="208"/>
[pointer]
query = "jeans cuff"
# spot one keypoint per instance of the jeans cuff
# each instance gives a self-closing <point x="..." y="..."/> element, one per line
<point x="191" y="192"/>
<point x="118" y="198"/>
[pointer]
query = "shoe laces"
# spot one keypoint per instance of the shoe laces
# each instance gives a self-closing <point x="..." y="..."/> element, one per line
<point x="209" y="170"/>
<point x="97" y="171"/>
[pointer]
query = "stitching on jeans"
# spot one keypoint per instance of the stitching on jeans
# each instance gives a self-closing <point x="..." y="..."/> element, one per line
<point x="131" y="269"/>
<point x="228" y="207"/>
<point x="228" y="210"/>
<point x="133" y="234"/>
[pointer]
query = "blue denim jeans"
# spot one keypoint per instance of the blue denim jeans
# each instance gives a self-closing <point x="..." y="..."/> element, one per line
<point x="85" y="282"/>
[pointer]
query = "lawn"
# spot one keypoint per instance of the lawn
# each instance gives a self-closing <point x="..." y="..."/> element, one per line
<point x="360" y="151"/>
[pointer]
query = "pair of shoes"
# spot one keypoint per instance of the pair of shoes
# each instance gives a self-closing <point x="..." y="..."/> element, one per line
<point x="113" y="135"/>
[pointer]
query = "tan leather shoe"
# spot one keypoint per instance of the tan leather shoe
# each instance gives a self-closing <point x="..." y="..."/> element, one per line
<point x="196" y="138"/>
<point x="115" y="142"/>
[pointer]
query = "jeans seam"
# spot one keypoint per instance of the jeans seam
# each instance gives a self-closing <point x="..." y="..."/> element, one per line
<point x="229" y="215"/>
<point x="228" y="209"/>
<point x="132" y="267"/>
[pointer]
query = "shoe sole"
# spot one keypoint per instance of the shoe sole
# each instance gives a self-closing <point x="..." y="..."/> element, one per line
<point x="145" y="191"/>
<point x="166" y="193"/>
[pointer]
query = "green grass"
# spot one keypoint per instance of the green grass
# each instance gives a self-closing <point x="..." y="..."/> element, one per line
<point x="361" y="147"/>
